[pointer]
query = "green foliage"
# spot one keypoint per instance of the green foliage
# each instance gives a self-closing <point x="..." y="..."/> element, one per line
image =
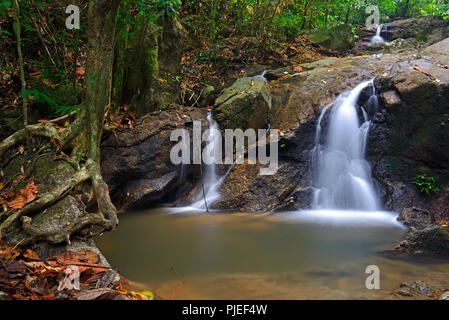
<point x="169" y="8"/>
<point x="216" y="19"/>
<point x="426" y="184"/>
<point x="445" y="121"/>
<point x="40" y="96"/>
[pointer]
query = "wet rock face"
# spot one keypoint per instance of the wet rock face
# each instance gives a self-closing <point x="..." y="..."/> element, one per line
<point x="429" y="29"/>
<point x="405" y="139"/>
<point x="413" y="141"/>
<point x="136" y="164"/>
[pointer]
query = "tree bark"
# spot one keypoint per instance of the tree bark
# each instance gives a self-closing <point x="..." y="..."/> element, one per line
<point x="101" y="34"/>
<point x="83" y="136"/>
<point x="17" y="30"/>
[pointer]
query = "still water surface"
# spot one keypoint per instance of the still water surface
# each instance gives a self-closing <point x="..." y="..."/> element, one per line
<point x="283" y="256"/>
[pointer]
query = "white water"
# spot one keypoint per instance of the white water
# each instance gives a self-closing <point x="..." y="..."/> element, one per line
<point x="378" y="38"/>
<point x="210" y="180"/>
<point x="344" y="176"/>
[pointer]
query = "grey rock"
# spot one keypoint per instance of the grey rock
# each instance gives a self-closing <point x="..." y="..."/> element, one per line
<point x="246" y="104"/>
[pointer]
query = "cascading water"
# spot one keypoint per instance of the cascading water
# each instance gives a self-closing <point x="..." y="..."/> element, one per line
<point x="378" y="38"/>
<point x="211" y="181"/>
<point x="344" y="176"/>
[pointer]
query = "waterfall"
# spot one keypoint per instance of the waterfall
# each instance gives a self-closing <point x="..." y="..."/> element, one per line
<point x="378" y="38"/>
<point x="344" y="176"/>
<point x="211" y="181"/>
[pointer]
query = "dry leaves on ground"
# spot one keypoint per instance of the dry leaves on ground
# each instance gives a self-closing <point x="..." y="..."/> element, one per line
<point x="23" y="197"/>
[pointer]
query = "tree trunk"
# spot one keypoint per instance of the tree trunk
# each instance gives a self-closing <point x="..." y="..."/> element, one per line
<point x="82" y="137"/>
<point x="17" y="30"/>
<point x="102" y="22"/>
<point x="120" y="50"/>
<point x="347" y="13"/>
<point x="326" y="14"/>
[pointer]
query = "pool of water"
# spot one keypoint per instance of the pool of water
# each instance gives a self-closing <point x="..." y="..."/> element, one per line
<point x="303" y="255"/>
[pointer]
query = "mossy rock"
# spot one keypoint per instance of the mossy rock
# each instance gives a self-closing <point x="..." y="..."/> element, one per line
<point x="50" y="174"/>
<point x="60" y="215"/>
<point x="246" y="104"/>
<point x="339" y="38"/>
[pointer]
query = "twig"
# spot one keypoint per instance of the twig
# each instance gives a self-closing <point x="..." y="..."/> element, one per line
<point x="202" y="187"/>
<point x="201" y="173"/>
<point x="63" y="117"/>
<point x="172" y="297"/>
<point x="197" y="99"/>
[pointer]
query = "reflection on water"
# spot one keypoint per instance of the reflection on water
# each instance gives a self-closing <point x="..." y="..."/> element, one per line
<point x="223" y="256"/>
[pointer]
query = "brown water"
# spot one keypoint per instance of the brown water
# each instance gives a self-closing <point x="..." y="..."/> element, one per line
<point x="225" y="256"/>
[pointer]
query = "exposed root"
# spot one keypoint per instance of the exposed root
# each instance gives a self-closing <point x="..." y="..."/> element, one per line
<point x="106" y="217"/>
<point x="101" y="192"/>
<point x="47" y="199"/>
<point x="63" y="235"/>
<point x="62" y="137"/>
<point x="41" y="130"/>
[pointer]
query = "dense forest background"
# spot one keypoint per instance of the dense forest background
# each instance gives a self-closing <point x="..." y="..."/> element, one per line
<point x="215" y="35"/>
<point x="135" y="70"/>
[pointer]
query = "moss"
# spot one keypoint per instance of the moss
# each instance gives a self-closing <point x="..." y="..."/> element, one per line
<point x="51" y="174"/>
<point x="14" y="166"/>
<point x="338" y="38"/>
<point x="140" y="84"/>
<point x="58" y="216"/>
<point x="422" y="36"/>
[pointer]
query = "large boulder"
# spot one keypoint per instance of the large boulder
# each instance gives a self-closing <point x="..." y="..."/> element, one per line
<point x="339" y="38"/>
<point x="430" y="240"/>
<point x="427" y="30"/>
<point x="136" y="163"/>
<point x="406" y="137"/>
<point x="246" y="104"/>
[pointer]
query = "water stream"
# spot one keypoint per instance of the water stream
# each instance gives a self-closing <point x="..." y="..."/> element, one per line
<point x="344" y="176"/>
<point x="378" y="38"/>
<point x="316" y="254"/>
<point x="244" y="256"/>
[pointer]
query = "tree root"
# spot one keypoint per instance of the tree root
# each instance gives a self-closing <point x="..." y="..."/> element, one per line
<point x="41" y="130"/>
<point x="62" y="137"/>
<point x="63" y="235"/>
<point x="47" y="199"/>
<point x="105" y="218"/>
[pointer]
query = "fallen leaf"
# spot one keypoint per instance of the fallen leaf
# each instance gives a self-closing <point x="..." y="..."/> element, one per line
<point x="298" y="69"/>
<point x="70" y="257"/>
<point x="23" y="197"/>
<point x="80" y="71"/>
<point x="31" y="255"/>
<point x="422" y="71"/>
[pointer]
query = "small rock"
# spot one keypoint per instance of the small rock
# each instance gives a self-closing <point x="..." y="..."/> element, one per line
<point x="404" y="292"/>
<point x="445" y="296"/>
<point x="391" y="98"/>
